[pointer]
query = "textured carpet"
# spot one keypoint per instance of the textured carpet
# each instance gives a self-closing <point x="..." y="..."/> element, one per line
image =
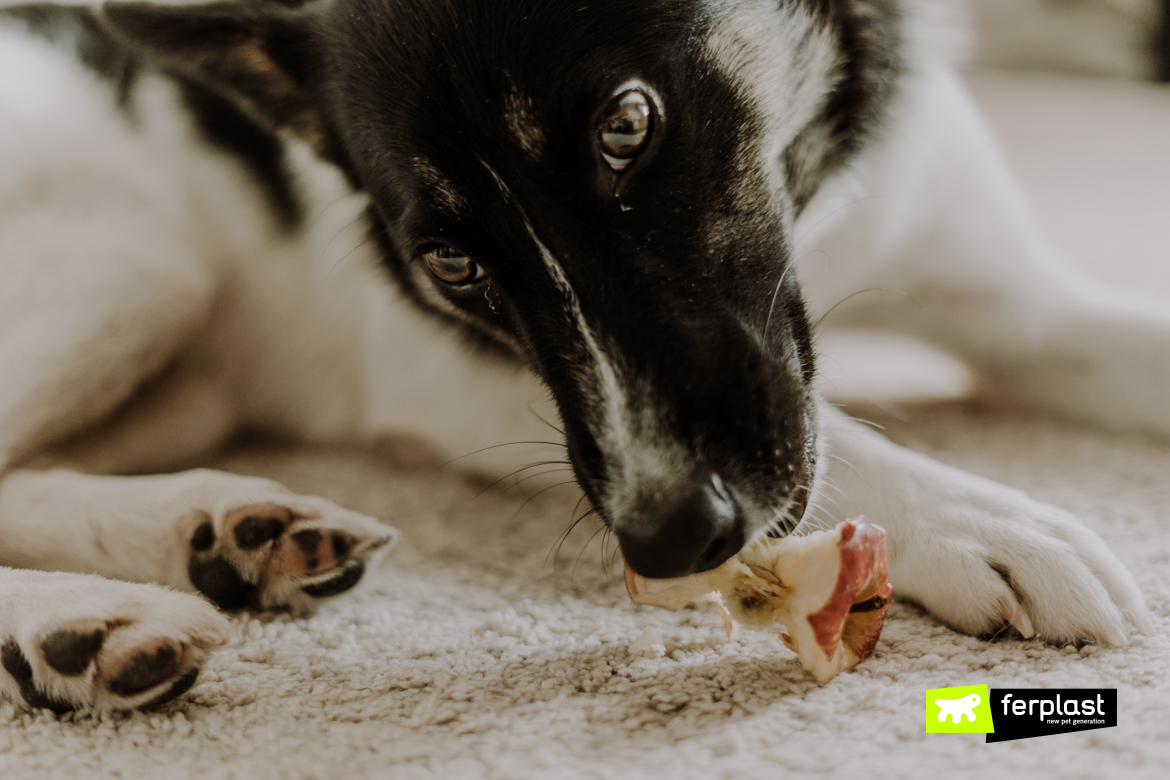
<point x="468" y="655"/>
<point x="474" y="652"/>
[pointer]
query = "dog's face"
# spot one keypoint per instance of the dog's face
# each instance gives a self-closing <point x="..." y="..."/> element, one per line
<point x="597" y="187"/>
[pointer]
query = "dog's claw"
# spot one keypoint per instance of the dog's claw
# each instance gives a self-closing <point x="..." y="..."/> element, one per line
<point x="1015" y="615"/>
<point x="1141" y="621"/>
<point x="1113" y="635"/>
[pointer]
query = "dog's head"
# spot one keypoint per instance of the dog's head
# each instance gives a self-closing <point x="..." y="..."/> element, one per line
<point x="605" y="189"/>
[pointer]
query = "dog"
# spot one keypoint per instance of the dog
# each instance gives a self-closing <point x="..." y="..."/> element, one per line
<point x="588" y="206"/>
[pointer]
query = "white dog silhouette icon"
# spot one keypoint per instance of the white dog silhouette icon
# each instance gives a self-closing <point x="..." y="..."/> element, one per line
<point x="957" y="708"/>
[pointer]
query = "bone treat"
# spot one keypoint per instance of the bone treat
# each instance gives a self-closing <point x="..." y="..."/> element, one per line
<point x="827" y="593"/>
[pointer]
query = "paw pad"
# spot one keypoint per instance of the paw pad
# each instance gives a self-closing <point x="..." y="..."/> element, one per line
<point x="14" y="661"/>
<point x="221" y="581"/>
<point x="70" y="651"/>
<point x="348" y="577"/>
<point x="144" y="669"/>
<point x="313" y="552"/>
<point x="252" y="533"/>
<point x="203" y="537"/>
<point x="267" y="555"/>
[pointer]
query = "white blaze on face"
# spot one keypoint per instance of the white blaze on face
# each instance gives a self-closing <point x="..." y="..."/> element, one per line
<point x="641" y="455"/>
<point x="638" y="450"/>
<point x="604" y="374"/>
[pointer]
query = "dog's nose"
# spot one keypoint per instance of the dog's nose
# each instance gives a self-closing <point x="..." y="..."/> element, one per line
<point x="695" y="531"/>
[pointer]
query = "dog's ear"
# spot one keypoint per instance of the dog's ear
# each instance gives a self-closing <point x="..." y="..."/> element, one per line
<point x="262" y="55"/>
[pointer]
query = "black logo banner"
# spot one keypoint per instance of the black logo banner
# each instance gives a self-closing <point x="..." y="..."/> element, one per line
<point x="1021" y="713"/>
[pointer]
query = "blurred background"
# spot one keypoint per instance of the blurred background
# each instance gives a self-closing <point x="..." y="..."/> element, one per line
<point x="1075" y="91"/>
<point x="1115" y="38"/>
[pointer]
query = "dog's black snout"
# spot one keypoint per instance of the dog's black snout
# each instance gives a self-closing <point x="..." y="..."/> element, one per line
<point x="695" y="530"/>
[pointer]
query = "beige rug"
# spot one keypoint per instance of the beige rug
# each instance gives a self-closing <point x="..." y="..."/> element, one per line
<point x="471" y="655"/>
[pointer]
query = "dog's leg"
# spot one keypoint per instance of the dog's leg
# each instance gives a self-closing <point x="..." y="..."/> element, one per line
<point x="98" y="293"/>
<point x="70" y="641"/>
<point x="88" y="310"/>
<point x="977" y="554"/>
<point x="100" y="296"/>
<point x="240" y="541"/>
<point x="934" y="213"/>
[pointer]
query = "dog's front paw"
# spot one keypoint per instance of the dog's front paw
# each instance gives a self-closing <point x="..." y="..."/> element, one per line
<point x="74" y="641"/>
<point x="286" y="551"/>
<point x="1017" y="562"/>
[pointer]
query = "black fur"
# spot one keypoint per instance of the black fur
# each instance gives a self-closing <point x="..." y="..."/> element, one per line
<point x="223" y="123"/>
<point x="869" y="32"/>
<point x="77" y="28"/>
<point x="678" y="264"/>
<point x="641" y="264"/>
<point x="226" y="126"/>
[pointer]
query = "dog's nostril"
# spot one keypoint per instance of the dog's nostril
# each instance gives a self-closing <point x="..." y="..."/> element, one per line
<point x="722" y="548"/>
<point x="727" y="524"/>
<point x="699" y="530"/>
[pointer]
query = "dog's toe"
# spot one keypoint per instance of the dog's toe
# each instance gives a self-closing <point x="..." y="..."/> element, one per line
<point x="144" y="645"/>
<point x="1033" y="568"/>
<point x="284" y="554"/>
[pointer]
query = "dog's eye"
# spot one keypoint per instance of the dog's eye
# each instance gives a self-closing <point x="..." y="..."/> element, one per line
<point x="452" y="266"/>
<point x="625" y="128"/>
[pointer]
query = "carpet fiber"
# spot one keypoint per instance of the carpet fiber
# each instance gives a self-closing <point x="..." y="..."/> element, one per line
<point x="482" y="649"/>
<point x="468" y="655"/>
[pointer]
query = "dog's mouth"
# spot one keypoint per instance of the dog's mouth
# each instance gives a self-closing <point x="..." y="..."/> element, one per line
<point x="700" y="526"/>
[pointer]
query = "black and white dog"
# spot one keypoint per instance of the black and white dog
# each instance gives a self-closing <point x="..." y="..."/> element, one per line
<point x="606" y="193"/>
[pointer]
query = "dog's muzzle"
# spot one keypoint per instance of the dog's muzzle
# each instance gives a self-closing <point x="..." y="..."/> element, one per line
<point x="690" y="531"/>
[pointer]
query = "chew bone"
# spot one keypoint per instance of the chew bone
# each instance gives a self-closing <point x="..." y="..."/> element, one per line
<point x="828" y="590"/>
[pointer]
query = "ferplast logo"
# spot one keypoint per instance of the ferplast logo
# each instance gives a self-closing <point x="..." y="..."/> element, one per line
<point x="1023" y="713"/>
<point x="962" y="710"/>
<point x="1019" y="713"/>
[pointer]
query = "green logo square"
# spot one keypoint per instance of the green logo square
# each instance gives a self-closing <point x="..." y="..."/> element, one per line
<point x="962" y="710"/>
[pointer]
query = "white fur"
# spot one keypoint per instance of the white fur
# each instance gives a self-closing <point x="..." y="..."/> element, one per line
<point x="979" y="278"/>
<point x="932" y="211"/>
<point x="787" y="60"/>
